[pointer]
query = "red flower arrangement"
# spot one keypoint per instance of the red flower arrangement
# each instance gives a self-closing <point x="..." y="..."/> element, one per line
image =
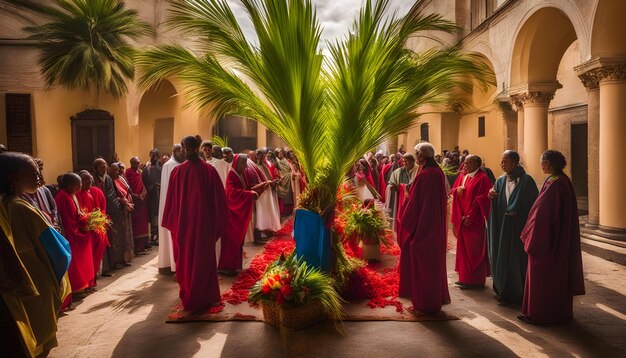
<point x="95" y="221"/>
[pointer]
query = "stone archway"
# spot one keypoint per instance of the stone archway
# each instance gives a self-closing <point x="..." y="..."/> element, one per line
<point x="539" y="47"/>
<point x="157" y="110"/>
<point x="481" y="126"/>
<point x="604" y="76"/>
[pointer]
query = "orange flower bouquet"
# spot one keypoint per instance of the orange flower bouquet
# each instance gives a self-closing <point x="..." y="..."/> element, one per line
<point x="96" y="221"/>
<point x="290" y="283"/>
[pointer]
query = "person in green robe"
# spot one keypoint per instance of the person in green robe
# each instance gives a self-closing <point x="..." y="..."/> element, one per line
<point x="402" y="175"/>
<point x="34" y="259"/>
<point x="512" y="197"/>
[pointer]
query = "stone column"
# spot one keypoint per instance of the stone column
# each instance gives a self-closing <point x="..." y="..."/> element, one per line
<point x="261" y="133"/>
<point x="517" y="102"/>
<point x="590" y="80"/>
<point x="535" y="99"/>
<point x="536" y="132"/>
<point x="612" y="83"/>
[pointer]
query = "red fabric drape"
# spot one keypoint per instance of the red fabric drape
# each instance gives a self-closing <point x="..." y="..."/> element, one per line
<point x="90" y="200"/>
<point x="472" y="260"/>
<point x="240" y="205"/>
<point x="196" y="213"/>
<point x="423" y="251"/>
<point x="552" y="240"/>
<point x="81" y="267"/>
<point x="382" y="184"/>
<point x="140" y="212"/>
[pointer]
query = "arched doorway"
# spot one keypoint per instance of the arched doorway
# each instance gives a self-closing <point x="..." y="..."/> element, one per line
<point x="538" y="50"/>
<point x="486" y="121"/>
<point x="156" y="120"/>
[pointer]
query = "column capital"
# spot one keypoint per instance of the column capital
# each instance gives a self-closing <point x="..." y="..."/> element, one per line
<point x="537" y="94"/>
<point x="594" y="71"/>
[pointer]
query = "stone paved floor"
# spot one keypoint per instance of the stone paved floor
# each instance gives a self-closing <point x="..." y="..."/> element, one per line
<point x="125" y="319"/>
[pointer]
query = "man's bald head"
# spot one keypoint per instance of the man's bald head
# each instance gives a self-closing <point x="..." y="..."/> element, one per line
<point x="216" y="152"/>
<point x="513" y="155"/>
<point x="100" y="166"/>
<point x="228" y="155"/>
<point x="134" y="163"/>
<point x="177" y="153"/>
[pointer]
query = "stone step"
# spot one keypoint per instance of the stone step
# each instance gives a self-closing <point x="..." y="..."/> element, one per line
<point x="611" y="250"/>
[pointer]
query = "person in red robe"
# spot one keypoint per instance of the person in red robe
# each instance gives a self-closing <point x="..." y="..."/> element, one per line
<point x="423" y="251"/>
<point x="80" y="272"/>
<point x="139" y="216"/>
<point x="196" y="213"/>
<point x="91" y="198"/>
<point x="470" y="210"/>
<point x="551" y="239"/>
<point x="240" y="205"/>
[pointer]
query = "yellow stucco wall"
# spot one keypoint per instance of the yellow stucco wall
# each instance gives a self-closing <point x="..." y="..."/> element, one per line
<point x="52" y="131"/>
<point x="156" y="103"/>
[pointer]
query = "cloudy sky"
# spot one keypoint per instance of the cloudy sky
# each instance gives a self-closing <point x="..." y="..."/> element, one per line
<point x="336" y="16"/>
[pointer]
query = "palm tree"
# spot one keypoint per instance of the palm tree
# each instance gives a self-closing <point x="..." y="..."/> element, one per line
<point x="329" y="110"/>
<point x="85" y="43"/>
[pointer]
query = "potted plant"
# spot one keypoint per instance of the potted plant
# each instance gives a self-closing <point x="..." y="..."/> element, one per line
<point x="294" y="295"/>
<point x="367" y="225"/>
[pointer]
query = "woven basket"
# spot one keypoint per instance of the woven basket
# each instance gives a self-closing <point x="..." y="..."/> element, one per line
<point x="293" y="318"/>
<point x="271" y="314"/>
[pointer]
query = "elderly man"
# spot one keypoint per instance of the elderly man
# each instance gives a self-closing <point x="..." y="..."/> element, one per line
<point x="151" y="176"/>
<point x="196" y="213"/>
<point x="166" y="262"/>
<point x="423" y="251"/>
<point x="140" y="218"/>
<point x="512" y="197"/>
<point x="228" y="154"/>
<point x="218" y="162"/>
<point x="470" y="210"/>
<point x="396" y="192"/>
<point x="114" y="208"/>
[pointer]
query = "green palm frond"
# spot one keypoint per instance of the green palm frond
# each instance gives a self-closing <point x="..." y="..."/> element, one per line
<point x="86" y="43"/>
<point x="217" y="140"/>
<point x="329" y="110"/>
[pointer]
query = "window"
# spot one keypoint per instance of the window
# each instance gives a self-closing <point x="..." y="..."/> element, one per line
<point x="19" y="126"/>
<point x="481" y="126"/>
<point x="424" y="132"/>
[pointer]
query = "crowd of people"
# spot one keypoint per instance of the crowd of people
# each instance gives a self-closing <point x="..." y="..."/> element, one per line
<point x="527" y="240"/>
<point x="202" y="203"/>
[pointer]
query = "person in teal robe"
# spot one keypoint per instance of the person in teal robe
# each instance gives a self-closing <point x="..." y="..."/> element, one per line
<point x="512" y="197"/>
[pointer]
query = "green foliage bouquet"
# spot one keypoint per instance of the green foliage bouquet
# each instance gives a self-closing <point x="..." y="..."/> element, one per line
<point x="289" y="281"/>
<point x="368" y="224"/>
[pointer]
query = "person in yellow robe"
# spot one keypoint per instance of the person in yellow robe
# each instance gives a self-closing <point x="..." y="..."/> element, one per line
<point x="33" y="266"/>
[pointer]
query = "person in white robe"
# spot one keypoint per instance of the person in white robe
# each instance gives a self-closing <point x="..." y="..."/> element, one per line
<point x="166" y="262"/>
<point x="267" y="208"/>
<point x="217" y="161"/>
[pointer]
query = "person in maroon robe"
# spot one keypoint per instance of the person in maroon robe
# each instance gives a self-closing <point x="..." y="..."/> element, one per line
<point x="196" y="214"/>
<point x="139" y="216"/>
<point x="91" y="198"/>
<point x="423" y="251"/>
<point x="470" y="210"/>
<point x="551" y="239"/>
<point x="240" y="205"/>
<point x="81" y="266"/>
